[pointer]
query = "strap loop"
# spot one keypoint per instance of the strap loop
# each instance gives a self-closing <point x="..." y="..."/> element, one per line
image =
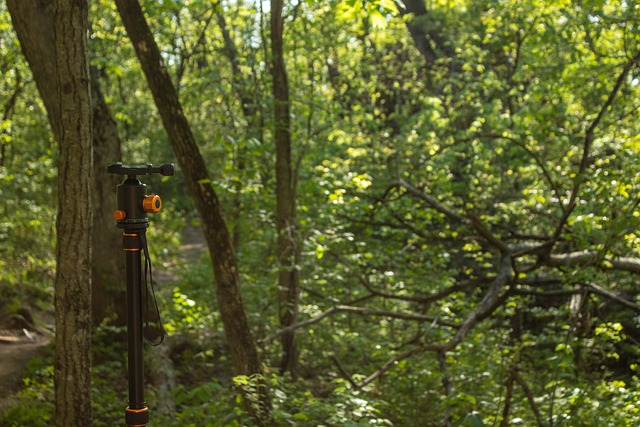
<point x="149" y="297"/>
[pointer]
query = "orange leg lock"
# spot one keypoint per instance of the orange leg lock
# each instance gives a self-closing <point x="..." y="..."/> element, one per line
<point x="137" y="417"/>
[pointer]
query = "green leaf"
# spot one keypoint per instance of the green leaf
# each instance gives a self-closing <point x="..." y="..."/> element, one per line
<point x="473" y="420"/>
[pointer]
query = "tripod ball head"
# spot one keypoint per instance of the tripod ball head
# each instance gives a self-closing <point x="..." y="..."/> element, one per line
<point x="133" y="204"/>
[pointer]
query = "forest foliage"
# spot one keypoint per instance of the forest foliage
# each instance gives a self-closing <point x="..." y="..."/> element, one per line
<point x="466" y="186"/>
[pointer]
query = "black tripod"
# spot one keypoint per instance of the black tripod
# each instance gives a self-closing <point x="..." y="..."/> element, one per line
<point x="133" y="206"/>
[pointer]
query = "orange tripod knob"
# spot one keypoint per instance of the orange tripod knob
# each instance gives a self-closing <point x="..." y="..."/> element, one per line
<point x="152" y="203"/>
<point x="119" y="215"/>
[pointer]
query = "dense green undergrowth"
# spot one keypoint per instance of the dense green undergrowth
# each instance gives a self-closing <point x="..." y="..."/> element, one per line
<point x="553" y="381"/>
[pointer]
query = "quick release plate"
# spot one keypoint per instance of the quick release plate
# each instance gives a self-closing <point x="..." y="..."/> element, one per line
<point x="166" y="169"/>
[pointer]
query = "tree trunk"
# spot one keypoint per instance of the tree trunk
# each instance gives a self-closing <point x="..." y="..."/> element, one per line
<point x="107" y="269"/>
<point x="287" y="250"/>
<point x="239" y="337"/>
<point x="252" y="129"/>
<point x="33" y="24"/>
<point x="72" y="375"/>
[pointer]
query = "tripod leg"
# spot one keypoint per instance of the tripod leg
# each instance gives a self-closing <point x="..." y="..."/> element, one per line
<point x="137" y="413"/>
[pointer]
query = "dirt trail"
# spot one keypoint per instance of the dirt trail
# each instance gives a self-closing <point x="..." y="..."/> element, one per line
<point x="13" y="360"/>
<point x="17" y="348"/>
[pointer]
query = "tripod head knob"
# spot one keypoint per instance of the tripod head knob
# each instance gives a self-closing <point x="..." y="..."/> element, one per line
<point x="166" y="169"/>
<point x="152" y="203"/>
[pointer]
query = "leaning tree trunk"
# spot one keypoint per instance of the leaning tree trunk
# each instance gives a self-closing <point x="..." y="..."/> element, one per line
<point x="33" y="24"/>
<point x="287" y="250"/>
<point x="238" y="333"/>
<point x="72" y="373"/>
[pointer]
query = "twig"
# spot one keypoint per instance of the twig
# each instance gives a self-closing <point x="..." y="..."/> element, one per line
<point x="528" y="394"/>
<point x="343" y="373"/>
<point x="507" y="401"/>
<point x="446" y="383"/>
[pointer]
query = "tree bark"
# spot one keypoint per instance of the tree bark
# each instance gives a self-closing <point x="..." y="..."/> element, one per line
<point x="107" y="268"/>
<point x="33" y="24"/>
<point x="288" y="249"/>
<point x="72" y="374"/>
<point x="239" y="337"/>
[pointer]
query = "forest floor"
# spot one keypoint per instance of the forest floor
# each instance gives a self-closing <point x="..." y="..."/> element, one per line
<point x="21" y="341"/>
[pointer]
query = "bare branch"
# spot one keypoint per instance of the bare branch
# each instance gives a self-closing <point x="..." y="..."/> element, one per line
<point x="433" y="202"/>
<point x="364" y="281"/>
<point x="607" y="293"/>
<point x="448" y="388"/>
<point x="489" y="303"/>
<point x="470" y="219"/>
<point x="593" y="258"/>
<point x="592" y="287"/>
<point x="362" y="311"/>
<point x="390" y="363"/>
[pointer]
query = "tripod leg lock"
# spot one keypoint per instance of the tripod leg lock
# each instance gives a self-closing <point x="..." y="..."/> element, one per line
<point x="131" y="241"/>
<point x="137" y="417"/>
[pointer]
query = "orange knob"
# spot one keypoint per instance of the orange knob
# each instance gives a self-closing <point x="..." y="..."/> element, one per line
<point x="119" y="215"/>
<point x="151" y="203"/>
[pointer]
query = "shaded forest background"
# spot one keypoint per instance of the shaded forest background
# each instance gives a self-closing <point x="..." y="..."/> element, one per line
<point x="423" y="212"/>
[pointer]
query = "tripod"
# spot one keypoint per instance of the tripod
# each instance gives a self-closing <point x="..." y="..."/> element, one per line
<point x="131" y="217"/>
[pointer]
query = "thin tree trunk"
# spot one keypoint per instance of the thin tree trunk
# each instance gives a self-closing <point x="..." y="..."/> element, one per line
<point x="249" y="111"/>
<point x="288" y="249"/>
<point x="72" y="374"/>
<point x="239" y="337"/>
<point x="7" y="113"/>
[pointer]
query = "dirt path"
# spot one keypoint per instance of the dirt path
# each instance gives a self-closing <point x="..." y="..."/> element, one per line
<point x="17" y="348"/>
<point x="13" y="360"/>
